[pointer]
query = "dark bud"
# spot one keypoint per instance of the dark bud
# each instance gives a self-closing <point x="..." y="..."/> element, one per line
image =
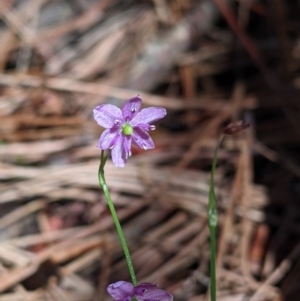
<point x="235" y="127"/>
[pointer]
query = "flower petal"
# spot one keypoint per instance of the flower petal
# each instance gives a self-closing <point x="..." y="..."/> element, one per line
<point x="142" y="139"/>
<point x="127" y="145"/>
<point x="108" y="138"/>
<point x="148" y="115"/>
<point x="107" y="115"/>
<point x="131" y="107"/>
<point x="150" y="292"/>
<point x="121" y="291"/>
<point x="121" y="150"/>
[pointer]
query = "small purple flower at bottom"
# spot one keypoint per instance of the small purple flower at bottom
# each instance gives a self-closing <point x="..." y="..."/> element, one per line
<point x="125" y="126"/>
<point x="125" y="291"/>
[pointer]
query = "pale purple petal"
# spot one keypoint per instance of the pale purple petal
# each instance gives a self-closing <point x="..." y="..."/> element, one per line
<point x="142" y="139"/>
<point x="131" y="107"/>
<point x="108" y="115"/>
<point x="127" y="145"/>
<point x="119" y="153"/>
<point x="108" y="138"/>
<point x="121" y="291"/>
<point x="148" y="115"/>
<point x="150" y="292"/>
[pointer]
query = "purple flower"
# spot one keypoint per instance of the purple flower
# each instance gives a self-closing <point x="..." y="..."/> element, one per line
<point x="150" y="292"/>
<point x="126" y="125"/>
<point x="121" y="291"/>
<point x="125" y="291"/>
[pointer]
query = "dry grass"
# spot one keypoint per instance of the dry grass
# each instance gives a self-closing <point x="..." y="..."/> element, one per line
<point x="58" y="59"/>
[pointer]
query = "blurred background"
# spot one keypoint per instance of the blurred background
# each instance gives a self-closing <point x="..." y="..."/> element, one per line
<point x="208" y="62"/>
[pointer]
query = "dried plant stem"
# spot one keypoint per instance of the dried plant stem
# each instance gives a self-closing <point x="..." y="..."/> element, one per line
<point x="115" y="218"/>
<point x="212" y="224"/>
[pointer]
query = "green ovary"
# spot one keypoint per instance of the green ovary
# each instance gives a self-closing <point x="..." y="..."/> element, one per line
<point x="127" y="129"/>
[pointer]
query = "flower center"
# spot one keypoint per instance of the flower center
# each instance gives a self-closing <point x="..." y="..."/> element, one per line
<point x="127" y="129"/>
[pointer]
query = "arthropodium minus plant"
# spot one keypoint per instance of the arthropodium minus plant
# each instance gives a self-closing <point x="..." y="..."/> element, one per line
<point x="212" y="213"/>
<point x="125" y="291"/>
<point x="124" y="126"/>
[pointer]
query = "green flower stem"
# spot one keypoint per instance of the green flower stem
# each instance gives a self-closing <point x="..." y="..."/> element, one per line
<point x="114" y="215"/>
<point x="212" y="223"/>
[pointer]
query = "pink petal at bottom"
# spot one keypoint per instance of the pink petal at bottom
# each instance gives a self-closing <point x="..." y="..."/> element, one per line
<point x="121" y="151"/>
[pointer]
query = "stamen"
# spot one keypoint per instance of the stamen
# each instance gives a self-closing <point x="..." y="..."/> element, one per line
<point x="152" y="127"/>
<point x="133" y="109"/>
<point x="117" y="121"/>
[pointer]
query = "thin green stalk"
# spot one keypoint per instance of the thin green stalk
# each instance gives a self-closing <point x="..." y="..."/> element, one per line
<point x="212" y="223"/>
<point x="114" y="215"/>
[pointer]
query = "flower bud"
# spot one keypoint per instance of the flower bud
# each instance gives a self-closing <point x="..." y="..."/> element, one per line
<point x="235" y="127"/>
